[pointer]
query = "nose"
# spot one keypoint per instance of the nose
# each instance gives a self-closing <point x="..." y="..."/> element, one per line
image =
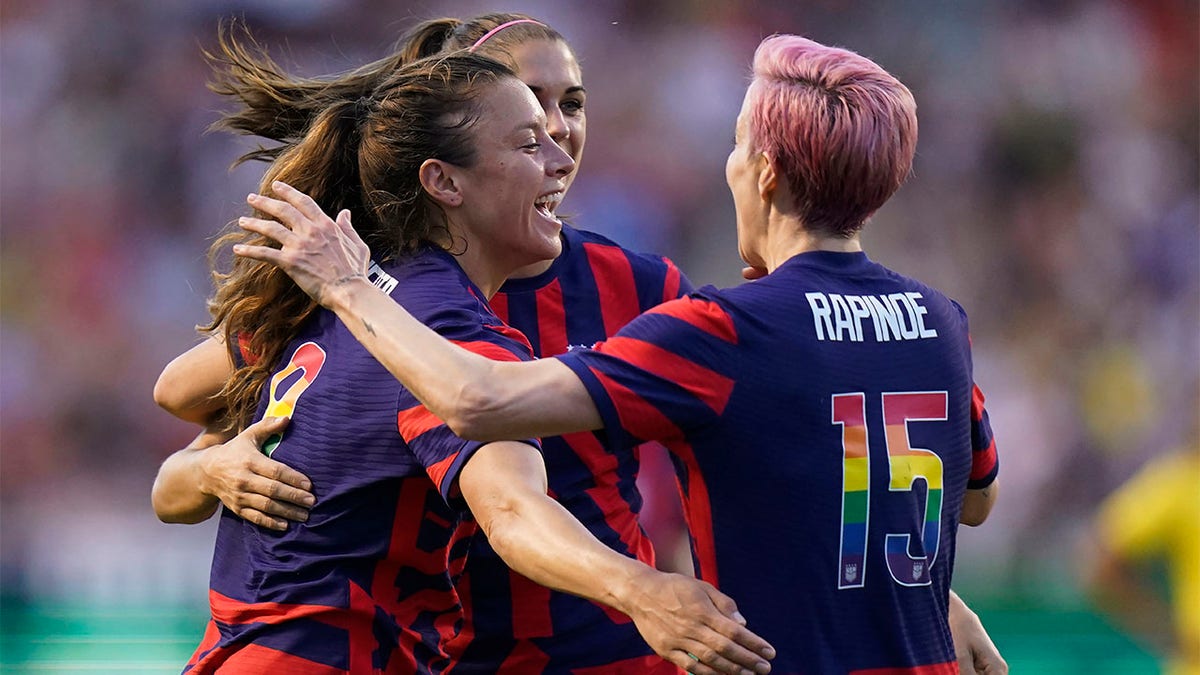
<point x="556" y="125"/>
<point x="558" y="162"/>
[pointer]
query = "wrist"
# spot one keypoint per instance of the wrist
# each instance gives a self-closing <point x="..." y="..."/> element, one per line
<point x="626" y="588"/>
<point x="342" y="293"/>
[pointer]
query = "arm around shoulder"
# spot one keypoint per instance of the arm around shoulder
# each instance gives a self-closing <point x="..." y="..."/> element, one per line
<point x="188" y="385"/>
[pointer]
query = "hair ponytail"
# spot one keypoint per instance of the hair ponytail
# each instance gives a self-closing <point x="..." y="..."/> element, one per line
<point x="256" y="305"/>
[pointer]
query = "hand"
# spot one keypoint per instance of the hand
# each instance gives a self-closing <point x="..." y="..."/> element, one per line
<point x="318" y="253"/>
<point x="252" y="485"/>
<point x="976" y="653"/>
<point x="752" y="273"/>
<point x="696" y="627"/>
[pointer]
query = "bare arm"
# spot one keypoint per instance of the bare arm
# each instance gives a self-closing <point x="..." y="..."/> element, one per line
<point x="478" y="398"/>
<point x="977" y="504"/>
<point x="216" y="469"/>
<point x="188" y="386"/>
<point x="976" y="652"/>
<point x="505" y="486"/>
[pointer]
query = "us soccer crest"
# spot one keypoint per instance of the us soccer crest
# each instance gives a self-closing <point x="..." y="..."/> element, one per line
<point x="851" y="572"/>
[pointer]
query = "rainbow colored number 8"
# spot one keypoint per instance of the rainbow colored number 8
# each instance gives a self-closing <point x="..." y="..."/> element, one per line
<point x="298" y="375"/>
<point x="905" y="465"/>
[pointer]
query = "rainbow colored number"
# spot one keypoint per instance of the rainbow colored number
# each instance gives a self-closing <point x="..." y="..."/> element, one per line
<point x="906" y="464"/>
<point x="299" y="374"/>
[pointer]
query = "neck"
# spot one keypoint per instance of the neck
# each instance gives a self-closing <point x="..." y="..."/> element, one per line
<point x="482" y="272"/>
<point x="787" y="236"/>
<point x="532" y="270"/>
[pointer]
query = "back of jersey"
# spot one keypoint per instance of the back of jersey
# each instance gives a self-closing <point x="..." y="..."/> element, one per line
<point x="822" y="417"/>
<point x="857" y="395"/>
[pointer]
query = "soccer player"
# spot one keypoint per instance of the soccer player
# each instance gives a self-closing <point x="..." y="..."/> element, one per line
<point x="830" y="427"/>
<point x="447" y="155"/>
<point x="1151" y="521"/>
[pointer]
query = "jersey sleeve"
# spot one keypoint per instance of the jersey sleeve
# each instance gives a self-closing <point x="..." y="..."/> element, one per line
<point x="985" y="464"/>
<point x="664" y="375"/>
<point x="437" y="447"/>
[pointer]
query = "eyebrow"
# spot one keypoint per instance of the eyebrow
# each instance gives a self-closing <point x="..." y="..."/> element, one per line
<point x="570" y="90"/>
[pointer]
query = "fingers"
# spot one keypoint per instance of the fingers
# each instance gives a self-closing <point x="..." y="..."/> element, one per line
<point x="268" y="228"/>
<point x="261" y="519"/>
<point x="752" y="273"/>
<point x="300" y="201"/>
<point x="734" y="627"/>
<point x="701" y="658"/>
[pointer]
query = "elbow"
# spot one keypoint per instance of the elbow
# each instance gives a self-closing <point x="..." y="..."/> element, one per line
<point x="977" y="505"/>
<point x="168" y="510"/>
<point x="474" y="411"/>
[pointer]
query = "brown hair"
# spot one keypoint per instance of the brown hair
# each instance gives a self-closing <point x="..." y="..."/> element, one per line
<point x="361" y="154"/>
<point x="278" y="106"/>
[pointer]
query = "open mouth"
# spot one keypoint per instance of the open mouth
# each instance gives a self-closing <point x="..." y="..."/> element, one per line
<point x="546" y="204"/>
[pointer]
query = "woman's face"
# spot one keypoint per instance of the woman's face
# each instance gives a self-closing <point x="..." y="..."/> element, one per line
<point x="550" y="70"/>
<point x="517" y="180"/>
<point x="742" y="171"/>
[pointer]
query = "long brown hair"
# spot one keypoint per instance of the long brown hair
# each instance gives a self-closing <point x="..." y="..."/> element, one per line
<point x="279" y="106"/>
<point x="360" y="154"/>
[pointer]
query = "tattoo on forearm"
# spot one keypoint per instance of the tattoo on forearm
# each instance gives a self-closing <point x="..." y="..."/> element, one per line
<point x="370" y="329"/>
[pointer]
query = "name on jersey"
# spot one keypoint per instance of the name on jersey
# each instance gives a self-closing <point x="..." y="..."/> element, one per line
<point x="382" y="280"/>
<point x="897" y="316"/>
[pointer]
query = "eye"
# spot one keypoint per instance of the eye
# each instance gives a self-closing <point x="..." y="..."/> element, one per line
<point x="534" y="146"/>
<point x="572" y="107"/>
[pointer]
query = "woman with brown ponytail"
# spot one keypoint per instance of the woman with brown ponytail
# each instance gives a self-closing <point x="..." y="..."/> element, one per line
<point x="447" y="170"/>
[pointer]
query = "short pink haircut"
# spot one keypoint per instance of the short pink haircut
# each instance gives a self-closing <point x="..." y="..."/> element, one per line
<point x="841" y="129"/>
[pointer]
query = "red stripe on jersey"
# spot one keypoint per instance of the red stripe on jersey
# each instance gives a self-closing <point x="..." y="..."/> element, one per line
<point x="615" y="284"/>
<point x="491" y="350"/>
<point x="252" y="659"/>
<point x="234" y="612"/>
<point x="983" y="461"/>
<point x="636" y="415"/>
<point x="607" y="495"/>
<point x="362" y="634"/>
<point x="530" y="608"/>
<point x="438" y="471"/>
<point x="552" y="319"/>
<point x="499" y="305"/>
<point x="212" y="635"/>
<point x="976" y="403"/>
<point x="671" y="283"/>
<point x="703" y="314"/>
<point x="948" y="668"/>
<point x="707" y="385"/>
<point x="248" y="357"/>
<point x="415" y="421"/>
<point x="641" y="665"/>
<point x="697" y="512"/>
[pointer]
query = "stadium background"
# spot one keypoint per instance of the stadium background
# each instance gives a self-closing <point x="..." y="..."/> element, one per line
<point x="1055" y="195"/>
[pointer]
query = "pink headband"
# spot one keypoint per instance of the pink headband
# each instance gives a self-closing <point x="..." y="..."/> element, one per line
<point x="499" y="28"/>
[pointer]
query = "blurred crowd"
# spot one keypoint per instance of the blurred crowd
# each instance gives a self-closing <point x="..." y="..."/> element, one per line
<point x="1055" y="195"/>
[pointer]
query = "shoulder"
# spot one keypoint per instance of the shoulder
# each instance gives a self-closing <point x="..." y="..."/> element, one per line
<point x="434" y="289"/>
<point x="605" y="254"/>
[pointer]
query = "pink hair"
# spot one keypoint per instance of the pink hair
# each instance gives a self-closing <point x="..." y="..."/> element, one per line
<point x="840" y="128"/>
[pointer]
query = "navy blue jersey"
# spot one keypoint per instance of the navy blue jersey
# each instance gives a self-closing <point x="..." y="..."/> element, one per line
<point x="827" y="426"/>
<point x="515" y="625"/>
<point x="365" y="585"/>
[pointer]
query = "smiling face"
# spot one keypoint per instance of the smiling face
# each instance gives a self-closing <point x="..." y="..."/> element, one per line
<point x="550" y="70"/>
<point x="506" y="199"/>
<point x="742" y="172"/>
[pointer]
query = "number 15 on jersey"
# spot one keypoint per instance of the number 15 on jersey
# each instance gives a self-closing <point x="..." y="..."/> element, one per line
<point x="908" y="562"/>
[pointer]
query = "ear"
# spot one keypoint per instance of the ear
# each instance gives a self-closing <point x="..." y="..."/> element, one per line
<point x="438" y="179"/>
<point x="768" y="177"/>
